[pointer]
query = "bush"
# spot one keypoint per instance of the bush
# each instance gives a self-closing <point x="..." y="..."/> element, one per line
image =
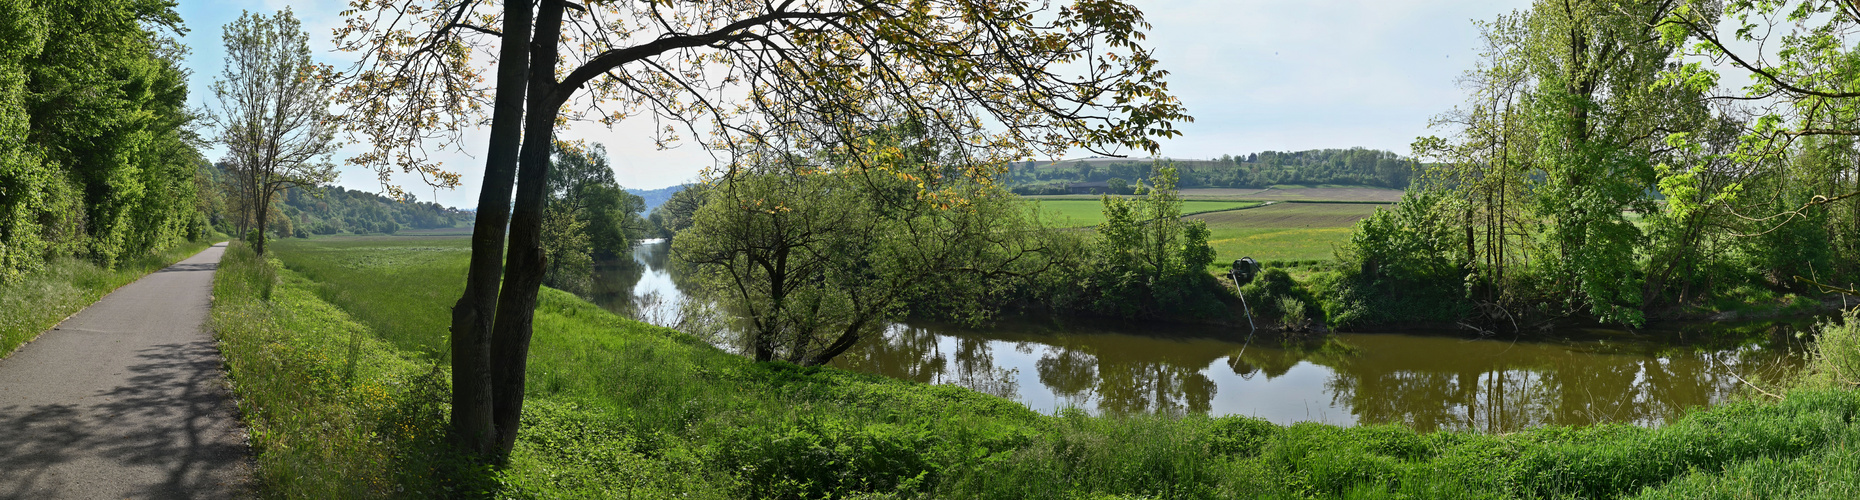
<point x="1275" y="296"/>
<point x="1835" y="361"/>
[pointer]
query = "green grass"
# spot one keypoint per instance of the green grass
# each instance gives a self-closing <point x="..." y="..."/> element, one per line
<point x="410" y="291"/>
<point x="38" y="301"/>
<point x="1087" y="213"/>
<point x="620" y="409"/>
<point x="333" y="410"/>
<point x="1283" y="231"/>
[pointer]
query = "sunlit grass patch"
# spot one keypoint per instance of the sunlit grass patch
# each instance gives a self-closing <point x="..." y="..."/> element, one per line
<point x="1284" y="231"/>
<point x="411" y="283"/>
<point x="1277" y="244"/>
<point x="333" y="411"/>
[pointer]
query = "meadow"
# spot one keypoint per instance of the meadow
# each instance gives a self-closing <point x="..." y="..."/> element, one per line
<point x="39" y="300"/>
<point x="343" y="402"/>
<point x="1324" y="193"/>
<point x="1088" y="213"/>
<point x="1321" y="193"/>
<point x="1283" y="231"/>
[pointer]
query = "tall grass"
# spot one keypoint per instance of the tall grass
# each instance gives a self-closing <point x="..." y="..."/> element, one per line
<point x="333" y="411"/>
<point x="39" y="300"/>
<point x="1835" y="360"/>
<point x="621" y="409"/>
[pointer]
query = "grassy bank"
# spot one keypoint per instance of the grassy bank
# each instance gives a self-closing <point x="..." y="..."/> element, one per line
<point x="38" y="301"/>
<point x="620" y="409"/>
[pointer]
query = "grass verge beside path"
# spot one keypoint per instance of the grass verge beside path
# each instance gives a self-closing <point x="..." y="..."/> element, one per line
<point x="620" y="409"/>
<point x="38" y="301"/>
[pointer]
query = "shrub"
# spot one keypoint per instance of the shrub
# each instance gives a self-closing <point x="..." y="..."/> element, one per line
<point x="1836" y="357"/>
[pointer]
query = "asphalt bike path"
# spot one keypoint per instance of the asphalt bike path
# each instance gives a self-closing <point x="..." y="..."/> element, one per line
<point x="126" y="399"/>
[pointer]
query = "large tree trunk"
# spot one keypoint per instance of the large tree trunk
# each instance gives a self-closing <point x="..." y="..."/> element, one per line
<point x="472" y="426"/>
<point x="516" y="304"/>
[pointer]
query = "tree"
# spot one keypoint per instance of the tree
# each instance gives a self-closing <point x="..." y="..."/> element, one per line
<point x="96" y="158"/>
<point x="610" y="216"/>
<point x="1561" y="139"/>
<point x="816" y="252"/>
<point x="1148" y="260"/>
<point x="994" y="76"/>
<point x="273" y="114"/>
<point x="675" y="214"/>
<point x="1806" y="91"/>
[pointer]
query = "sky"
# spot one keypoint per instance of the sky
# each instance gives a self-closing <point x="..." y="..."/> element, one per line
<point x="1257" y="75"/>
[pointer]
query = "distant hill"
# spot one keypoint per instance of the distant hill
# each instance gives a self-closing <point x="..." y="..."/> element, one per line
<point x="334" y="210"/>
<point x="656" y="197"/>
<point x="1344" y="167"/>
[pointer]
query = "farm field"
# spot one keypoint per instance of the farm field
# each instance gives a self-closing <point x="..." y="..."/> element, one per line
<point x="1298" y="193"/>
<point x="1344" y="194"/>
<point x="1284" y="231"/>
<point x="1087" y="213"/>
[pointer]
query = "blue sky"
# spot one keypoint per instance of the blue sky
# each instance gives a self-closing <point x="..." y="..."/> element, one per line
<point x="1257" y="75"/>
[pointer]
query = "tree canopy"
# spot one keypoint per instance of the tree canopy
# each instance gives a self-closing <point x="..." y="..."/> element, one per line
<point x="95" y="152"/>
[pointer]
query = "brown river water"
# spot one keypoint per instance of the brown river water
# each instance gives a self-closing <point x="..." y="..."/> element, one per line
<point x="1426" y="380"/>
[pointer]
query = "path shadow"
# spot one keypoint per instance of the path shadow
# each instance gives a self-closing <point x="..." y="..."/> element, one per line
<point x="205" y="266"/>
<point x="35" y="439"/>
<point x="171" y="414"/>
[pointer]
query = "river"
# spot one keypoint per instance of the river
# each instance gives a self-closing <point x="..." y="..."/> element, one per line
<point x="1428" y="380"/>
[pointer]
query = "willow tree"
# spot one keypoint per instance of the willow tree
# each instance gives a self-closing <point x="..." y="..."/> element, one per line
<point x="1004" y="78"/>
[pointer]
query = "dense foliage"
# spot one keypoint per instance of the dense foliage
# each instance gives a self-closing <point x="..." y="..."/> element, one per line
<point x="335" y="210"/>
<point x="1145" y="261"/>
<point x="589" y="218"/>
<point x="1354" y="166"/>
<point x="95" y="158"/>
<point x="816" y="251"/>
<point x="1589" y="175"/>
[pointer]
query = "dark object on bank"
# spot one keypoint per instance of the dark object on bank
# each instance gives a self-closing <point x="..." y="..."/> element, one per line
<point x="1243" y="271"/>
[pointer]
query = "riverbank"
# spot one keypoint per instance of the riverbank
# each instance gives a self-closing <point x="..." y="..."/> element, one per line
<point x="620" y="408"/>
<point x="39" y="300"/>
<point x="1334" y="307"/>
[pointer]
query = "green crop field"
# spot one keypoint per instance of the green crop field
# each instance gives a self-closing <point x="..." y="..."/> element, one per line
<point x="1086" y="213"/>
<point x="1354" y="194"/>
<point x="1284" y="231"/>
<point x="1320" y="193"/>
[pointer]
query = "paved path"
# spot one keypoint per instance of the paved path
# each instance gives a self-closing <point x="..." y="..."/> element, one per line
<point x="125" y="400"/>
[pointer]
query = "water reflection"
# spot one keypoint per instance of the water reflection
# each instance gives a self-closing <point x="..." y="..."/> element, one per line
<point x="1427" y="382"/>
<point x="643" y="287"/>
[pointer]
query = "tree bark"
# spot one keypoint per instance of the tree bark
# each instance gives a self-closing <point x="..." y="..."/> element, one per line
<point x="516" y="304"/>
<point x="263" y="210"/>
<point x="473" y="429"/>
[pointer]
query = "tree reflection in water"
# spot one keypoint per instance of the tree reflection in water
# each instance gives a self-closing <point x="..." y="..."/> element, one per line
<point x="1444" y="383"/>
<point x="1427" y="382"/>
<point x="915" y="354"/>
